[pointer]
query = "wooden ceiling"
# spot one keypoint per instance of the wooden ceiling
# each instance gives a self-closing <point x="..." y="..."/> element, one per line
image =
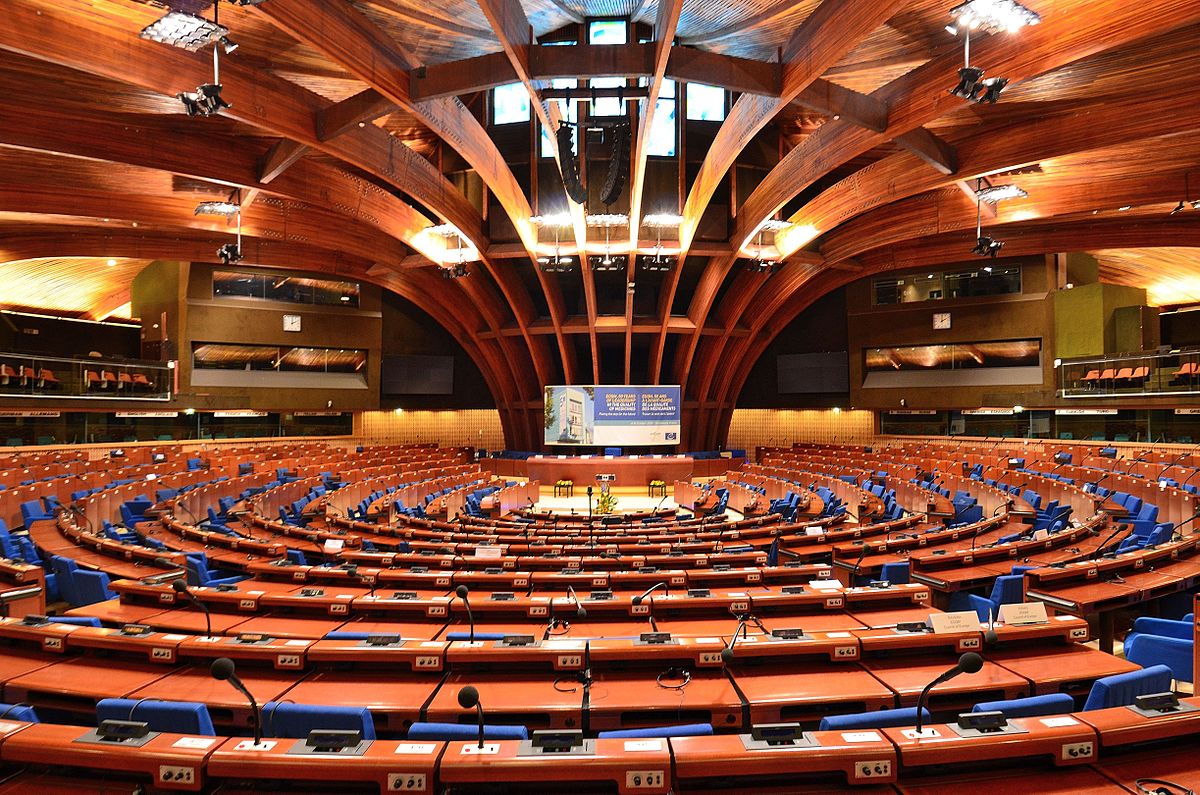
<point x="357" y="125"/>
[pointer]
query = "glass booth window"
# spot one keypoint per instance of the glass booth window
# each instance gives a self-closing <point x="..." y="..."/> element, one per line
<point x="219" y="356"/>
<point x="705" y="103"/>
<point x="510" y="104"/>
<point x="607" y="31"/>
<point x="937" y="285"/>
<point x="285" y="289"/>
<point x="661" y="141"/>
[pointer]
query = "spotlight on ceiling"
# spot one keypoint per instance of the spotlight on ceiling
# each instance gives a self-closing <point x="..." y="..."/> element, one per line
<point x="228" y="44"/>
<point x="457" y="270"/>
<point x="658" y="263"/>
<point x="968" y="86"/>
<point x="608" y="263"/>
<point x="224" y="209"/>
<point x="991" y="90"/>
<point x="1178" y="207"/>
<point x="559" y="221"/>
<point x="993" y="16"/>
<point x="556" y="264"/>
<point x="998" y="193"/>
<point x="230" y="254"/>
<point x="608" y="220"/>
<point x="246" y="2"/>
<point x="185" y="31"/>
<point x="987" y="247"/>
<point x="762" y="265"/>
<point x="662" y="220"/>
<point x="206" y="101"/>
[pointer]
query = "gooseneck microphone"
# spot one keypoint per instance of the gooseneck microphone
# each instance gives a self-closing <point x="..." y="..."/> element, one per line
<point x="468" y="697"/>
<point x="461" y="592"/>
<point x="637" y="600"/>
<point x="1100" y="549"/>
<point x="744" y="619"/>
<point x="969" y="663"/>
<point x="580" y="611"/>
<point x="223" y="668"/>
<point x="182" y="590"/>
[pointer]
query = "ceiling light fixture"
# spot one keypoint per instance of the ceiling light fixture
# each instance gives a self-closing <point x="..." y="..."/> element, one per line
<point x="662" y="220"/>
<point x="607" y="262"/>
<point x="226" y="208"/>
<point x="992" y="16"/>
<point x="456" y="269"/>
<point x="987" y="247"/>
<point x="998" y="193"/>
<point x="185" y="31"/>
<point x="555" y="263"/>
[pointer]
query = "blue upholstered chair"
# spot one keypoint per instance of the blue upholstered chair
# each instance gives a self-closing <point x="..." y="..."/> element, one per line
<point x="876" y="719"/>
<point x="448" y="732"/>
<point x="1050" y="704"/>
<point x="22" y="712"/>
<point x="1122" y="689"/>
<point x="285" y="719"/>
<point x="180" y="717"/>
<point x="682" y="730"/>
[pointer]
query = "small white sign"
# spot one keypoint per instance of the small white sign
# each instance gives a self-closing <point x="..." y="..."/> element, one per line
<point x="489" y="553"/>
<point x="473" y="749"/>
<point x="248" y="745"/>
<point x="1059" y="721"/>
<point x="416" y="748"/>
<point x="861" y="737"/>
<point x="333" y="546"/>
<point x="961" y="621"/>
<point x="193" y="742"/>
<point x="815" y="530"/>
<point x="643" y="745"/>
<point x="913" y="734"/>
<point x="825" y="585"/>
<point x="1023" y="613"/>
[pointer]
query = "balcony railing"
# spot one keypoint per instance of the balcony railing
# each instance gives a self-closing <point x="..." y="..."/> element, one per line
<point x="1175" y="372"/>
<point x="50" y="377"/>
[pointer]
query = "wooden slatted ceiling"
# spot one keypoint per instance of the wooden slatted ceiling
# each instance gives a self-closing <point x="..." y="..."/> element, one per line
<point x="1171" y="276"/>
<point x="77" y="286"/>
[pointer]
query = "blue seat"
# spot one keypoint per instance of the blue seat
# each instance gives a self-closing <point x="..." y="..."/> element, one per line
<point x="32" y="511"/>
<point x="63" y="569"/>
<point x="297" y="557"/>
<point x="22" y="712"/>
<point x="1051" y="704"/>
<point x="895" y="573"/>
<point x="877" y="719"/>
<point x="92" y="587"/>
<point x="179" y="717"/>
<point x="1122" y="689"/>
<point x="200" y="574"/>
<point x="1008" y="589"/>
<point x="465" y="731"/>
<point x="682" y="730"/>
<point x="285" y="719"/>
<point x="1177" y="654"/>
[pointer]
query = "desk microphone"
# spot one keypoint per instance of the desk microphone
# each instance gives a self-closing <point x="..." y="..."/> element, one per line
<point x="580" y="612"/>
<point x="1175" y="461"/>
<point x="1100" y="549"/>
<point x="857" y="563"/>
<point x="182" y="590"/>
<point x="461" y="592"/>
<point x="740" y="632"/>
<point x="1101" y="479"/>
<point x="469" y="697"/>
<point x="223" y="668"/>
<point x="1188" y="520"/>
<point x="969" y="663"/>
<point x="637" y="600"/>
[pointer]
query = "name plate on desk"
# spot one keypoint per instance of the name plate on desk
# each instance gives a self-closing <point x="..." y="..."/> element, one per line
<point x="961" y="621"/>
<point x="606" y="477"/>
<point x="816" y="530"/>
<point x="489" y="553"/>
<point x="1023" y="613"/>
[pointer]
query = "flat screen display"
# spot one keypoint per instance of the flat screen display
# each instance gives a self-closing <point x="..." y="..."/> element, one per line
<point x="613" y="416"/>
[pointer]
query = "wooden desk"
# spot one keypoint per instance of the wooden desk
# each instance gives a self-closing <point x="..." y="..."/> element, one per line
<point x="1065" y="669"/>
<point x="53" y="744"/>
<point x="392" y="766"/>
<point x="1068" y="781"/>
<point x="227" y="706"/>
<point x="634" y="766"/>
<point x="1121" y="726"/>
<point x="628" y="700"/>
<point x="75" y="685"/>
<point x="1178" y="768"/>
<point x="722" y="763"/>
<point x="809" y="692"/>
<point x="1062" y="739"/>
<point x="908" y="675"/>
<point x="530" y="700"/>
<point x="629" y="471"/>
<point x="289" y="626"/>
<point x="394" y="698"/>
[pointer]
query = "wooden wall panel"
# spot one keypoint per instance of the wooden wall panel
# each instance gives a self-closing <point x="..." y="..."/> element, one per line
<point x="465" y="427"/>
<point x="751" y="428"/>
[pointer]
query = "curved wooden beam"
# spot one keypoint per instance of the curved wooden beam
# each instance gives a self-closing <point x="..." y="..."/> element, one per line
<point x="921" y="96"/>
<point x="353" y="41"/>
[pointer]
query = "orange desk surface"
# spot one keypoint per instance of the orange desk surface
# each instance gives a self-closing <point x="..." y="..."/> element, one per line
<point x="1070" y="781"/>
<point x="383" y="761"/>
<point x="14" y="664"/>
<point x="394" y="698"/>
<point x="713" y="762"/>
<point x="1048" y="739"/>
<point x="81" y="682"/>
<point x="226" y="704"/>
<point x="1121" y="726"/>
<point x="53" y="744"/>
<point x="811" y="691"/>
<point x="634" y="699"/>
<point x="113" y="612"/>
<point x="288" y="626"/>
<point x="1181" y="767"/>
<point x="908" y="675"/>
<point x="60" y="784"/>
<point x="890" y="618"/>
<point x="630" y="764"/>
<point x="531" y="700"/>
<point x="1069" y="669"/>
<point x="409" y="630"/>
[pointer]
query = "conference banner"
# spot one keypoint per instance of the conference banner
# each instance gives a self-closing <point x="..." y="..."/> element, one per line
<point x="611" y="416"/>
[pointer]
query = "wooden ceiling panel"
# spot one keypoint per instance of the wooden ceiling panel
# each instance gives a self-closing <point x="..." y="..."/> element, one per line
<point x="433" y="33"/>
<point x="86" y="287"/>
<point x="1171" y="276"/>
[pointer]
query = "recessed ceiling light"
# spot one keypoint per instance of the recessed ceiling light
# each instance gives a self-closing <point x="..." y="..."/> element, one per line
<point x="112" y="262"/>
